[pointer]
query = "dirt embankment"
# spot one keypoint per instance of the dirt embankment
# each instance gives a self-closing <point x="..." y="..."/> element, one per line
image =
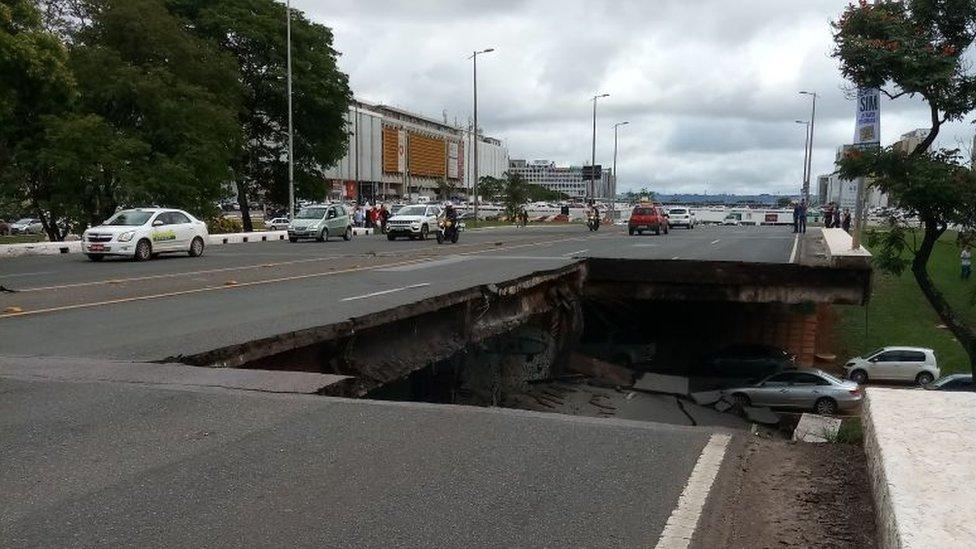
<point x="777" y="494"/>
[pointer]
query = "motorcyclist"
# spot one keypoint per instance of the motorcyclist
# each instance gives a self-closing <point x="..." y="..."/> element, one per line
<point x="593" y="215"/>
<point x="450" y="213"/>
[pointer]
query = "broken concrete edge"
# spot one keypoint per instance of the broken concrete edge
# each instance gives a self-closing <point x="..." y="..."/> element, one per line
<point x="235" y="356"/>
<point x="74" y="246"/>
<point x="816" y="428"/>
<point x="164" y="375"/>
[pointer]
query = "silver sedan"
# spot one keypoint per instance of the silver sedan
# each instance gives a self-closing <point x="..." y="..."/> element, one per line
<point x="807" y="389"/>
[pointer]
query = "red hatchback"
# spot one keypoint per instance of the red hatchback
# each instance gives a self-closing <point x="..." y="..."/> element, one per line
<point x="647" y="218"/>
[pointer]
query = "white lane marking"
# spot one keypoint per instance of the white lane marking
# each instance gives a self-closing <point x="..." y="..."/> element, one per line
<point x="577" y="252"/>
<point x="684" y="518"/>
<point x="714" y="242"/>
<point x="674" y="258"/>
<point x="425" y="265"/>
<point x="796" y="242"/>
<point x="385" y="292"/>
<point x="646" y="245"/>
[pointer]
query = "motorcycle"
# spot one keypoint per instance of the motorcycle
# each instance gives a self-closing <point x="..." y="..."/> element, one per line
<point x="593" y="222"/>
<point x="447" y="230"/>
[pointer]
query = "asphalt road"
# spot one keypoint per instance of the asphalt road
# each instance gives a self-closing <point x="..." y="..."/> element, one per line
<point x="112" y="465"/>
<point x="236" y="293"/>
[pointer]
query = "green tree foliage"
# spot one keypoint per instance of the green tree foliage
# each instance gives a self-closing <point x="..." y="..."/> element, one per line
<point x="253" y="32"/>
<point x="515" y="194"/>
<point x="916" y="49"/>
<point x="446" y="189"/>
<point x="490" y="188"/>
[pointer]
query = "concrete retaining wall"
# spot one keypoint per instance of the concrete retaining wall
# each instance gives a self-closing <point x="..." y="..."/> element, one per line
<point x="74" y="247"/>
<point x="921" y="451"/>
<point x="841" y="251"/>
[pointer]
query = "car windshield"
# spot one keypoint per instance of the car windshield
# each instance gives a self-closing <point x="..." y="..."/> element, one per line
<point x="642" y="211"/>
<point x="412" y="210"/>
<point x="678" y="212"/>
<point x="129" y="219"/>
<point x="311" y="213"/>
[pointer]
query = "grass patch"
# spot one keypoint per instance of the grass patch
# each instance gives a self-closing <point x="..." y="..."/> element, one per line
<point x="898" y="313"/>
<point x="22" y="238"/>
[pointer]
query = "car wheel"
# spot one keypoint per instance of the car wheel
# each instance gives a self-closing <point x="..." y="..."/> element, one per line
<point x="859" y="376"/>
<point x="924" y="378"/>
<point x="640" y="232"/>
<point x="143" y="251"/>
<point x="825" y="406"/>
<point x="196" y="247"/>
<point x="741" y="400"/>
<point x="96" y="257"/>
<point x="657" y="230"/>
<point x="630" y="231"/>
<point x="323" y="236"/>
<point x="348" y="234"/>
<point x="424" y="232"/>
<point x="391" y="237"/>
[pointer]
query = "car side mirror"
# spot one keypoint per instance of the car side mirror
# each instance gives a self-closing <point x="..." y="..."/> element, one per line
<point x="874" y="359"/>
<point x="158" y="223"/>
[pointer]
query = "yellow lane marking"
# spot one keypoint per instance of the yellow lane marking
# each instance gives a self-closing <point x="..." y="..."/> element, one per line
<point x="93" y="304"/>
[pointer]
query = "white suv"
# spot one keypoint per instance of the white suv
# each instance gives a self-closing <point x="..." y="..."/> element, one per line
<point x="681" y="217"/>
<point x="414" y="221"/>
<point x="895" y="364"/>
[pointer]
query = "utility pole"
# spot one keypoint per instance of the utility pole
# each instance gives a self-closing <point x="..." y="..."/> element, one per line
<point x="590" y="188"/>
<point x="806" y="155"/>
<point x="291" y="128"/>
<point x="613" y="191"/>
<point x="813" y="122"/>
<point x="474" y="152"/>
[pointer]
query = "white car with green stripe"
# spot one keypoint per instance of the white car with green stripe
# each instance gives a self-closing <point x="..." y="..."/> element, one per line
<point x="142" y="233"/>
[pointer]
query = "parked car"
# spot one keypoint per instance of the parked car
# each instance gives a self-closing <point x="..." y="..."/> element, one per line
<point x="954" y="382"/>
<point x="647" y="218"/>
<point x="277" y="224"/>
<point x="916" y="364"/>
<point x="814" y="390"/>
<point x="733" y="220"/>
<point x="320" y="223"/>
<point x="27" y="225"/>
<point x="752" y="362"/>
<point x="414" y="221"/>
<point x="145" y="232"/>
<point x="681" y="217"/>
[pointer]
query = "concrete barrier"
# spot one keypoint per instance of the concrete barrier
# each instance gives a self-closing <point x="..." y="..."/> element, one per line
<point x="74" y="247"/>
<point x="921" y="452"/>
<point x="841" y="251"/>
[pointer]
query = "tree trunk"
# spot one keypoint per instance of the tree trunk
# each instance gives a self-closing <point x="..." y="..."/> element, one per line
<point x="245" y="206"/>
<point x="964" y="334"/>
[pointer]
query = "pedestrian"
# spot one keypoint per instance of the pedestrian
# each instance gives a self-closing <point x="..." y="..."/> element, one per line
<point x="358" y="216"/>
<point x="525" y="217"/>
<point x="384" y="217"/>
<point x="846" y="223"/>
<point x="803" y="217"/>
<point x="796" y="217"/>
<point x="966" y="257"/>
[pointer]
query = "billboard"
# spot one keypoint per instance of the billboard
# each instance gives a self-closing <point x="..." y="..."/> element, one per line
<point x="868" y="128"/>
<point x="453" y="166"/>
<point x="401" y="151"/>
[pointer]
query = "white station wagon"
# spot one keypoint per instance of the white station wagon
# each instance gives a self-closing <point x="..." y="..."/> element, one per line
<point x="913" y="364"/>
<point x="145" y="232"/>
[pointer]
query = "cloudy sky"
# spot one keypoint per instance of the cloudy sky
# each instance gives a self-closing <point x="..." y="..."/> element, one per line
<point x="709" y="86"/>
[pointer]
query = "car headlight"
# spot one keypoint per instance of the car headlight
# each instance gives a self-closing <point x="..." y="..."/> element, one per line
<point x="125" y="237"/>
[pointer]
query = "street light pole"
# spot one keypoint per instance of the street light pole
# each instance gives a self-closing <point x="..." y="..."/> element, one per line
<point x="474" y="151"/>
<point x="806" y="152"/>
<point x="590" y="188"/>
<point x="813" y="121"/>
<point x="291" y="129"/>
<point x="613" y="193"/>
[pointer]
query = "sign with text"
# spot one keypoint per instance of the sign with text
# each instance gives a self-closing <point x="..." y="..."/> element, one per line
<point x="401" y="151"/>
<point x="868" y="128"/>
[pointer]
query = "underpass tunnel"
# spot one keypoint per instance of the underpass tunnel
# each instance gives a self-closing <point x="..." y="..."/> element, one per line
<point x="680" y="334"/>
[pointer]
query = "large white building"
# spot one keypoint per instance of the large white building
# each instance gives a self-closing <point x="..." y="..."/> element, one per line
<point x="562" y="179"/>
<point x="393" y="153"/>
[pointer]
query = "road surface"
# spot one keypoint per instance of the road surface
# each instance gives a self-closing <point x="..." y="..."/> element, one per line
<point x="237" y="293"/>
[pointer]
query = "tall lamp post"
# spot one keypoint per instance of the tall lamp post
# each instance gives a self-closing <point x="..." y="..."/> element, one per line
<point x="291" y="129"/>
<point x="806" y="151"/>
<point x="813" y="121"/>
<point x="613" y="191"/>
<point x="590" y="189"/>
<point x="474" y="152"/>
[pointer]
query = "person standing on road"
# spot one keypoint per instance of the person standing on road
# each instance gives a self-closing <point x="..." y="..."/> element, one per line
<point x="803" y="217"/>
<point x="846" y="223"/>
<point x="796" y="217"/>
<point x="358" y="217"/>
<point x="384" y="217"/>
<point x="966" y="258"/>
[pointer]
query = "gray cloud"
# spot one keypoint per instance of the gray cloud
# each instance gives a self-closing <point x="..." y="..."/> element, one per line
<point x="709" y="86"/>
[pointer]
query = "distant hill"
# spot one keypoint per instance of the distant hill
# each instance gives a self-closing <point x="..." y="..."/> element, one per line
<point x="722" y="199"/>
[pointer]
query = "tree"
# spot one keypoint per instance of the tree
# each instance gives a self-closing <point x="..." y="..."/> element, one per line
<point x="446" y="189"/>
<point x="253" y="31"/>
<point x="36" y="85"/>
<point x="783" y="202"/>
<point x="491" y="188"/>
<point x="915" y="49"/>
<point x="515" y="194"/>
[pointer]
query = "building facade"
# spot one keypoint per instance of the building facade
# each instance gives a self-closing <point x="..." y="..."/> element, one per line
<point x="562" y="179"/>
<point x="396" y="154"/>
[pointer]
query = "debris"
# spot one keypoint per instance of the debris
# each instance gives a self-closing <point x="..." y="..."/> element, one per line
<point x="230" y="283"/>
<point x="660" y="383"/>
<point x="706" y="398"/>
<point x="13" y="310"/>
<point x="723" y="406"/>
<point x="601" y="370"/>
<point x="764" y="416"/>
<point x="630" y="395"/>
<point x="816" y="428"/>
